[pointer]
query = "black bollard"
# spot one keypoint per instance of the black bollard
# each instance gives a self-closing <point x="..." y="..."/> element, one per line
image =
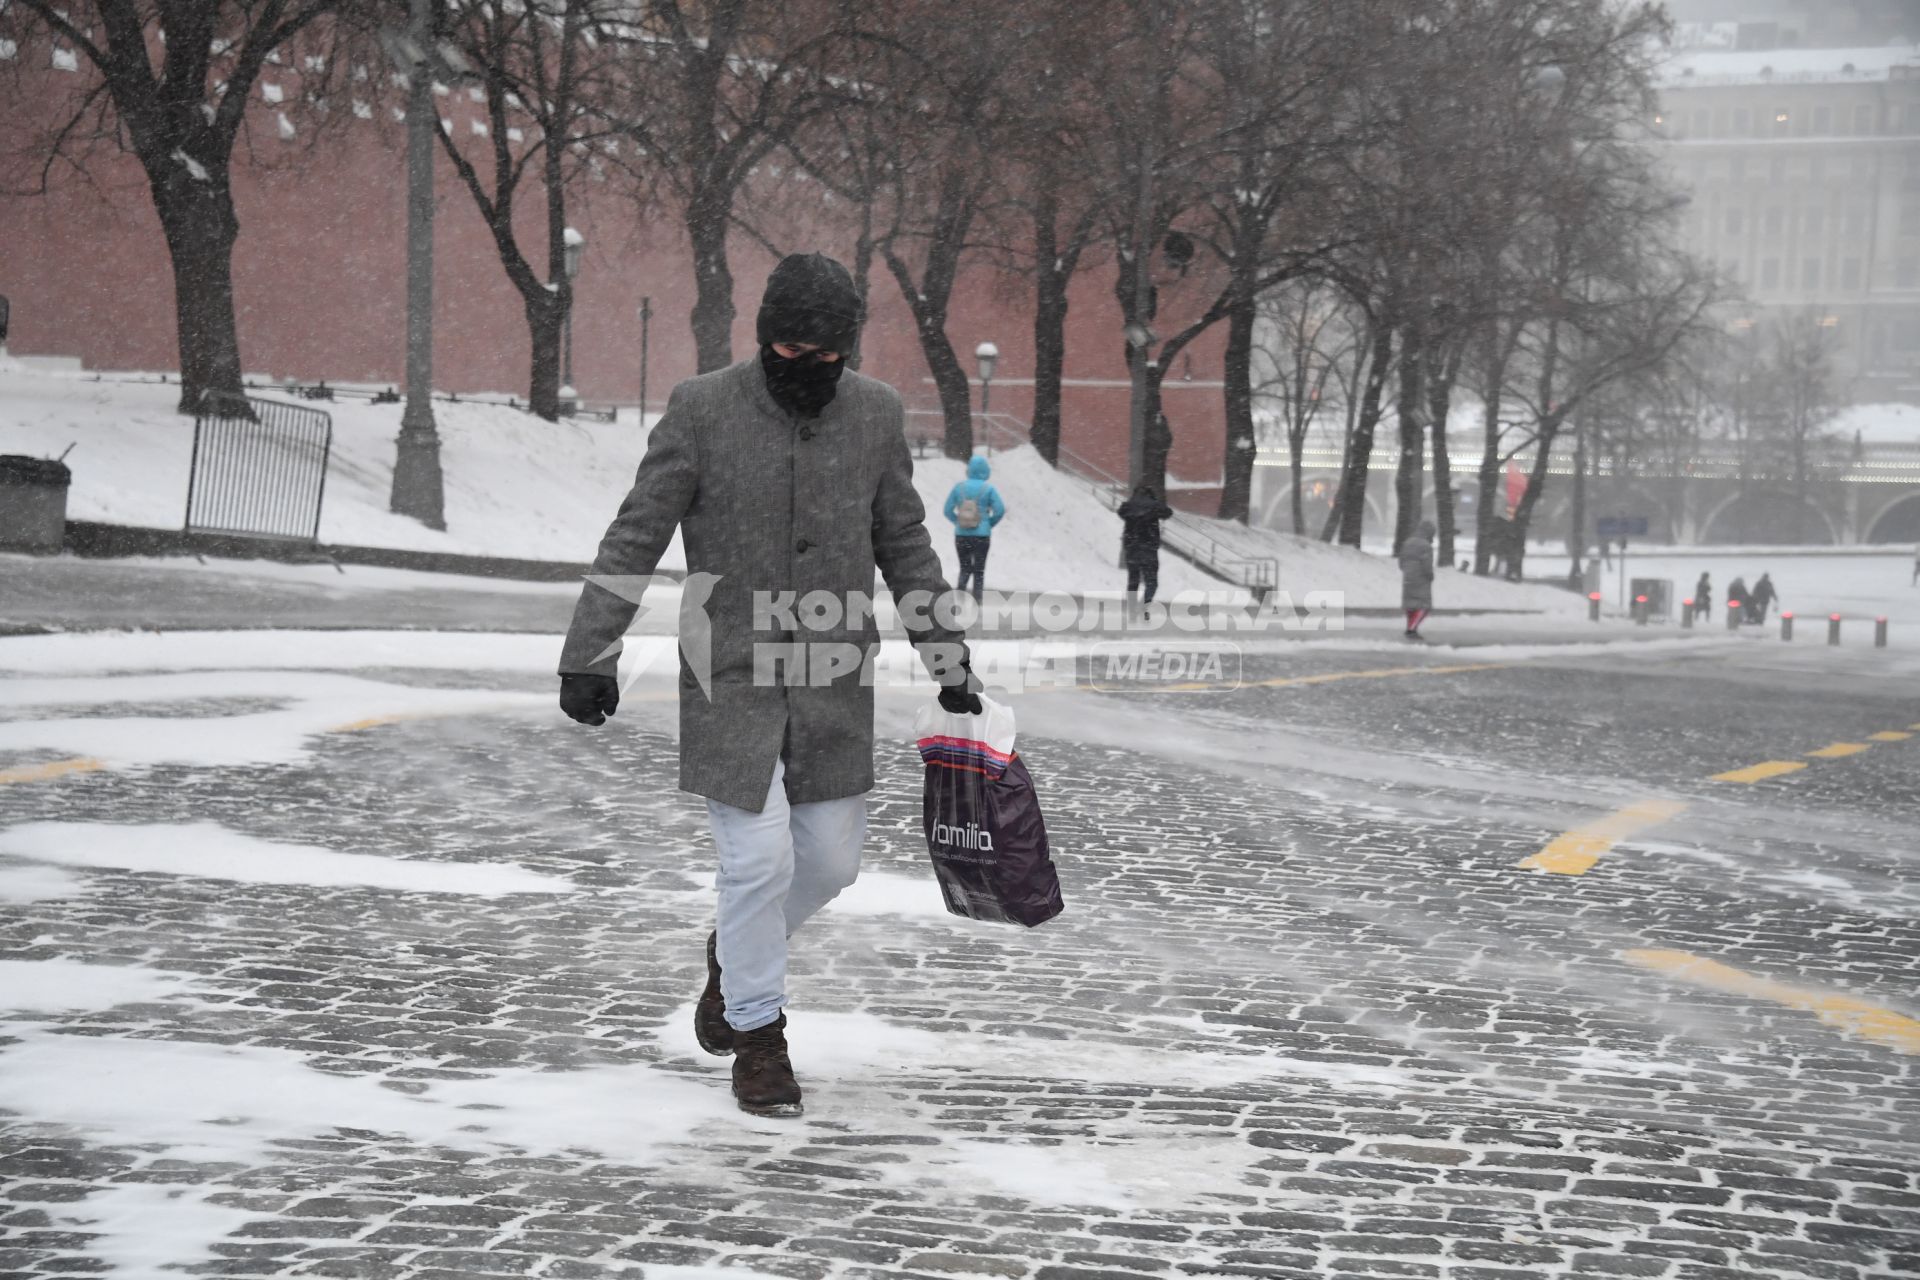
<point x="1593" y="606"/>
<point x="1734" y="608"/>
<point x="1879" y="633"/>
<point x="1833" y="628"/>
<point x="1786" y="625"/>
<point x="1640" y="610"/>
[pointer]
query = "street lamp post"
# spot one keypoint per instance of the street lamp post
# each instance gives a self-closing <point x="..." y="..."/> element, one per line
<point x="988" y="355"/>
<point x="646" y="320"/>
<point x="576" y="245"/>
<point x="418" y="490"/>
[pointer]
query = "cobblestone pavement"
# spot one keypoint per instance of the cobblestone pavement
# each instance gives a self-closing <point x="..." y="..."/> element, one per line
<point x="1304" y="1016"/>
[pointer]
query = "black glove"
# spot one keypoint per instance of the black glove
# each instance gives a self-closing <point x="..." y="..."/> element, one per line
<point x="962" y="698"/>
<point x="589" y="699"/>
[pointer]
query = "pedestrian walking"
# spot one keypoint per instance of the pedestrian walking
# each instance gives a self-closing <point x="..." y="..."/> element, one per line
<point x="1703" y="597"/>
<point x="786" y="474"/>
<point x="1416" y="578"/>
<point x="1140" y="518"/>
<point x="974" y="507"/>
<point x="1760" y="599"/>
<point x="1737" y="598"/>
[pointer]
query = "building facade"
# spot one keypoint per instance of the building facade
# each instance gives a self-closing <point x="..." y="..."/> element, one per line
<point x="1803" y="167"/>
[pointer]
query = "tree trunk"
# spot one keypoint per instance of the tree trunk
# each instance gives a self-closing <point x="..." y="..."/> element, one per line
<point x="546" y="315"/>
<point x="950" y="380"/>
<point x="1353" y="478"/>
<point x="1410" y="409"/>
<point x="1159" y="441"/>
<point x="1296" y="449"/>
<point x="712" y="316"/>
<point x="1549" y="431"/>
<point x="1049" y="361"/>
<point x="198" y="221"/>
<point x="1236" y="489"/>
<point x="1440" y="379"/>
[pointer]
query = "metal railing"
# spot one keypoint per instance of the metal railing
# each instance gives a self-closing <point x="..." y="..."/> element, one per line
<point x="259" y="468"/>
<point x="1181" y="534"/>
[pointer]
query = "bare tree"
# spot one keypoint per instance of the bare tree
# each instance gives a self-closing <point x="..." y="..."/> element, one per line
<point x="713" y="89"/>
<point x="541" y="67"/>
<point x="171" y="82"/>
<point x="1303" y="368"/>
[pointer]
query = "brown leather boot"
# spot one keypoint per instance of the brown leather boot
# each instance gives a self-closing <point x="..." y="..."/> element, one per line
<point x="762" y="1077"/>
<point x="710" y="1011"/>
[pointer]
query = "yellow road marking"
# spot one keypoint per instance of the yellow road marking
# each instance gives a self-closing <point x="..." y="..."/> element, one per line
<point x="1838" y="750"/>
<point x="1889" y="735"/>
<point x="1574" y="853"/>
<point x="1846" y="1013"/>
<point x="374" y="722"/>
<point x="1760" y="772"/>
<point x="51" y="769"/>
<point x="1381" y="673"/>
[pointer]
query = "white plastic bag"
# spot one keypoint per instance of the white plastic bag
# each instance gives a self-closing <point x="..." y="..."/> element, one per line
<point x="983" y="742"/>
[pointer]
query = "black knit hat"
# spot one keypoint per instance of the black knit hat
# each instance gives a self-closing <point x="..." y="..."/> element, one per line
<point x="810" y="298"/>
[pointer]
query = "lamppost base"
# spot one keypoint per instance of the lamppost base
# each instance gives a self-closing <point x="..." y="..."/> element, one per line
<point x="418" y="488"/>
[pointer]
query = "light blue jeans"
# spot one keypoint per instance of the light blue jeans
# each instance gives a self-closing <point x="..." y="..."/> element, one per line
<point x="777" y="867"/>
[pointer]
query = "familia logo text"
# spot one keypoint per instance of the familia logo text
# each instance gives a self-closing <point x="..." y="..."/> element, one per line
<point x="967" y="837"/>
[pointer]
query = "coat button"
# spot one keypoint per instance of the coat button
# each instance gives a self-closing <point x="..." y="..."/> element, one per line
<point x="801" y="545"/>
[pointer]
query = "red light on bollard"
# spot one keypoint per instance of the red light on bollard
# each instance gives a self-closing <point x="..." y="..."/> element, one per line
<point x="1786" y="624"/>
<point x="1593" y="606"/>
<point x="1686" y="614"/>
<point x="1786" y="613"/>
<point x="1833" y="628"/>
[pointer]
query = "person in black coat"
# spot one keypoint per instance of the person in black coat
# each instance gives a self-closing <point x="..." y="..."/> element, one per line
<point x="1703" y="597"/>
<point x="1140" y="541"/>
<point x="1760" y="599"/>
<point x="1737" y="598"/>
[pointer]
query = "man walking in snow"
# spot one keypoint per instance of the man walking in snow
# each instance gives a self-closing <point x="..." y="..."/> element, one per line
<point x="1140" y="518"/>
<point x="974" y="506"/>
<point x="1416" y="578"/>
<point x="786" y="474"/>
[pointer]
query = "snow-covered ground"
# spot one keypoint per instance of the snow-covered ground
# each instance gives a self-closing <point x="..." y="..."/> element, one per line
<point x="1867" y="584"/>
<point x="522" y="487"/>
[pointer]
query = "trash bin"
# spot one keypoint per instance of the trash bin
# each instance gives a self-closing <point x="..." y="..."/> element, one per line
<point x="33" y="503"/>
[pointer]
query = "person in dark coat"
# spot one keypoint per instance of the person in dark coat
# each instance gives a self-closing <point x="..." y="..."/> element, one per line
<point x="1760" y="599"/>
<point x="1140" y="518"/>
<point x="786" y="474"/>
<point x="1416" y="578"/>
<point x="1737" y="598"/>
<point x="1703" y="597"/>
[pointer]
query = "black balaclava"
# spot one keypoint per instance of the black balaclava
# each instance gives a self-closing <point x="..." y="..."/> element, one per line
<point x="810" y="298"/>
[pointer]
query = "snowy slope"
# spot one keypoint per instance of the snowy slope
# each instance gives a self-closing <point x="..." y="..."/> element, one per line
<point x="518" y="486"/>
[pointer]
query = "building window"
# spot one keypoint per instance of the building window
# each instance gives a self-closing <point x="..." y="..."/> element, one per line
<point x="1742" y="122"/>
<point x="1906" y="274"/>
<point x="1863" y="118"/>
<point x="1850" y="274"/>
<point x="1822" y="121"/>
<point x="1737" y="169"/>
<point x="1910" y="219"/>
<point x="1810" y="275"/>
<point x="1734" y="222"/>
<point x="1905" y="332"/>
<point x="1776" y="221"/>
<point x="1702" y="123"/>
<point x="1770" y="274"/>
<point x="1816" y="218"/>
<point x="1856" y="222"/>
<point x="1781" y="119"/>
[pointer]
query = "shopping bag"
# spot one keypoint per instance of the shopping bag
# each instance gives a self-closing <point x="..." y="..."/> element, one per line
<point x="982" y="818"/>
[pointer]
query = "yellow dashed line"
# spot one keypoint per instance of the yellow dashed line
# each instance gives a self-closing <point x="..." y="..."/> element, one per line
<point x="374" y="722"/>
<point x="51" y="769"/>
<point x="1846" y="1013"/>
<point x="1838" y="751"/>
<point x="1574" y="853"/>
<point x="1760" y="772"/>
<point x="1889" y="735"/>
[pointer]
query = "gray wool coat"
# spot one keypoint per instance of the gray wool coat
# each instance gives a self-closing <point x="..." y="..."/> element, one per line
<point x="770" y="503"/>
<point x="1416" y="573"/>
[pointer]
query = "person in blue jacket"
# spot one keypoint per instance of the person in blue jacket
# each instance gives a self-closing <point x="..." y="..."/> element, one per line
<point x="974" y="506"/>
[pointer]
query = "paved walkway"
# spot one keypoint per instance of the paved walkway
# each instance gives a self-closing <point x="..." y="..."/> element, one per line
<point x="1307" y="1015"/>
